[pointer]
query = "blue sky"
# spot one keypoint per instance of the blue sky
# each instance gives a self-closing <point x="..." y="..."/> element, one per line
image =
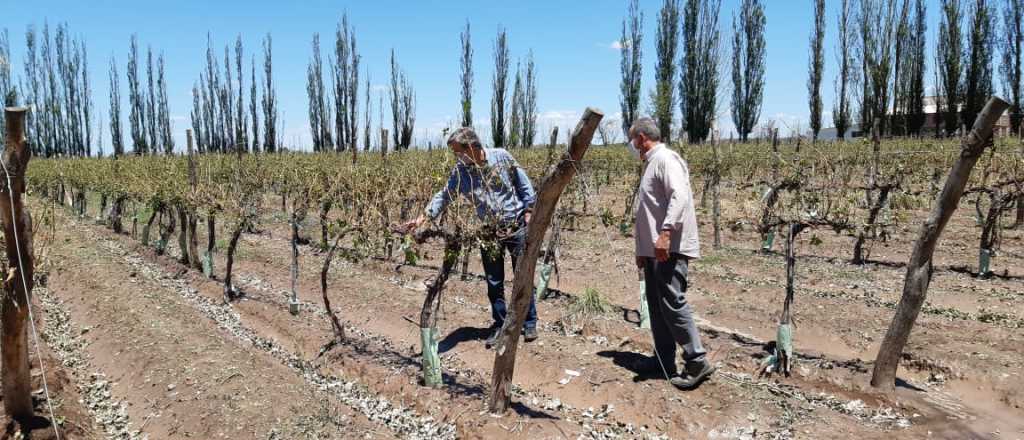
<point x="572" y="42"/>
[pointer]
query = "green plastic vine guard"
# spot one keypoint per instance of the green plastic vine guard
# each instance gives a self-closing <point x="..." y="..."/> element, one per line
<point x="645" y="314"/>
<point x="781" y="360"/>
<point x="145" y="235"/>
<point x="784" y="340"/>
<point x="984" y="261"/>
<point x="208" y="264"/>
<point x="542" y="287"/>
<point x="431" y="361"/>
<point x="769" y="238"/>
<point x="161" y="245"/>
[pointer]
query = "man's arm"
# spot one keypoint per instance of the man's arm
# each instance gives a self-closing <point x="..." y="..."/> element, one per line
<point x="676" y="184"/>
<point x="676" y="181"/>
<point x="521" y="182"/>
<point x="438" y="203"/>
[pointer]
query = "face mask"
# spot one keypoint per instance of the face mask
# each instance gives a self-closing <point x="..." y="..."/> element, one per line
<point x="633" y="150"/>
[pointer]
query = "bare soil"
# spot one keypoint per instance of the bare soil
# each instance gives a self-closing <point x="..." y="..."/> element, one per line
<point x="185" y="365"/>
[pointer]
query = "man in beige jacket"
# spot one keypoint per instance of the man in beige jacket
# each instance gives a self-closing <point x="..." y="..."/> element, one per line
<point x="666" y="241"/>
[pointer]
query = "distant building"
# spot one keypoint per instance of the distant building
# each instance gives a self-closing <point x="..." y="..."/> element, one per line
<point x="931" y="119"/>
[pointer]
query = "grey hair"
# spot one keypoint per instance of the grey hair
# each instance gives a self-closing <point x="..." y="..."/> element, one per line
<point x="647" y="127"/>
<point x="465" y="137"/>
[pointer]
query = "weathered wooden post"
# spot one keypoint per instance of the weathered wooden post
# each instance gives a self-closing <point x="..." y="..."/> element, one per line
<point x="193" y="215"/>
<point x="522" y="291"/>
<point x="552" y="144"/>
<point x="18" y="280"/>
<point x="919" y="269"/>
<point x="716" y="207"/>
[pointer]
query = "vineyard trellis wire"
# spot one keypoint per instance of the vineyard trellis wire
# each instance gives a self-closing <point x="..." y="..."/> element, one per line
<point x="819" y="185"/>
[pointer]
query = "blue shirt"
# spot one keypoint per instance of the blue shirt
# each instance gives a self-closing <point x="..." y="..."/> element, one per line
<point x="500" y="190"/>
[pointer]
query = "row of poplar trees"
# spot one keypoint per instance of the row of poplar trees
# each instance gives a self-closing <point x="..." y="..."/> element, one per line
<point x="55" y="81"/>
<point x="689" y="67"/>
<point x="334" y="107"/>
<point x="883" y="62"/>
<point x="222" y="122"/>
<point x="880" y="52"/>
<point x="513" y="124"/>
<point x="56" y="84"/>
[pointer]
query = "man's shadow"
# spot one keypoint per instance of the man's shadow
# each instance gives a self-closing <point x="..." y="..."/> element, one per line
<point x="628" y="360"/>
<point x="460" y="335"/>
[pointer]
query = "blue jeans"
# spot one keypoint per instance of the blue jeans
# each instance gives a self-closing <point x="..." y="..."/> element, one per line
<point x="493" y="258"/>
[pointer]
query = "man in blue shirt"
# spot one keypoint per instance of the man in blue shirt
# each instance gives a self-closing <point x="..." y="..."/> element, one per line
<point x="503" y="196"/>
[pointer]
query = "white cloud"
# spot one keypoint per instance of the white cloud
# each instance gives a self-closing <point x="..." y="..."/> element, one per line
<point x="614" y="45"/>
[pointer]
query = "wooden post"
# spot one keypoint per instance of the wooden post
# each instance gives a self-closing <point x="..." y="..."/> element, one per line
<point x="716" y="210"/>
<point x="193" y="221"/>
<point x="876" y="140"/>
<point x="919" y="269"/>
<point x="552" y="144"/>
<point x="522" y="291"/>
<point x="18" y="280"/>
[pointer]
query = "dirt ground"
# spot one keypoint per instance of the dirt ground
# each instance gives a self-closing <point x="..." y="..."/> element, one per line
<point x="167" y="359"/>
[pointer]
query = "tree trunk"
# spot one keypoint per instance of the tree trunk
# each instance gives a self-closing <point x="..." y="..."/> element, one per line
<point x="858" y="246"/>
<point x="465" y="267"/>
<point x="103" y="208"/>
<point x="522" y="292"/>
<point x="428" y="314"/>
<point x="165" y="231"/>
<point x="999" y="203"/>
<point x="325" y="207"/>
<point x="339" y="331"/>
<point x="919" y="268"/>
<point x="183" y="236"/>
<point x="115" y="214"/>
<point x="1019" y="223"/>
<point x="229" y="289"/>
<point x="18" y="285"/>
<point x="157" y="209"/>
<point x="193" y="242"/>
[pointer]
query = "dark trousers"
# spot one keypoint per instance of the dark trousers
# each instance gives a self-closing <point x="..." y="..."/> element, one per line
<point x="493" y="258"/>
<point x="671" y="316"/>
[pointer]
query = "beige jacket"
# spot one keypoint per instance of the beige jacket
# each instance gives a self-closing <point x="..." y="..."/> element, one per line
<point x="665" y="202"/>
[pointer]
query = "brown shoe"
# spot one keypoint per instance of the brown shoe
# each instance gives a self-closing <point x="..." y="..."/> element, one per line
<point x="696" y="372"/>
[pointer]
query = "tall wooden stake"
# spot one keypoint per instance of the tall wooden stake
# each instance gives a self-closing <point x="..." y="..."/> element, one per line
<point x="716" y="207"/>
<point x="919" y="269"/>
<point x="193" y="220"/>
<point x="18" y="280"/>
<point x="522" y="290"/>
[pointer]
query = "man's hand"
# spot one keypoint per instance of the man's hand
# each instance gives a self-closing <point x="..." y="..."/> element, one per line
<point x="411" y="226"/>
<point x="661" y="246"/>
<point x="526" y="217"/>
<point x="640" y="262"/>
